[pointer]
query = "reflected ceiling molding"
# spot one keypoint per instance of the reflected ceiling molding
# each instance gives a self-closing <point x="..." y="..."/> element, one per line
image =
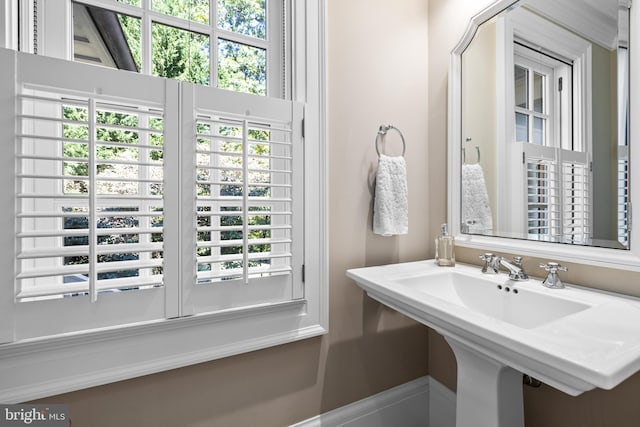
<point x="596" y="20"/>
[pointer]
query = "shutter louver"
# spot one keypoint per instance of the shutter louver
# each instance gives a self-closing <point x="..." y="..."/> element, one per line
<point x="576" y="221"/>
<point x="90" y="196"/>
<point x="623" y="201"/>
<point x="558" y="196"/>
<point x="244" y="198"/>
<point x="542" y="199"/>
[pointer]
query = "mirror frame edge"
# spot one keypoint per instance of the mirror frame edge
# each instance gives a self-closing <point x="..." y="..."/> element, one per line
<point x="589" y="255"/>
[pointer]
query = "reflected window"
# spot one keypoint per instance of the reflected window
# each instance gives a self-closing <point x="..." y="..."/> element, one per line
<point x="558" y="200"/>
<point x="533" y="98"/>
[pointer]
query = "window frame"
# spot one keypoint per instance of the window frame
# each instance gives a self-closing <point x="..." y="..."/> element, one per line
<point x="53" y="35"/>
<point x="43" y="367"/>
<point x="547" y="115"/>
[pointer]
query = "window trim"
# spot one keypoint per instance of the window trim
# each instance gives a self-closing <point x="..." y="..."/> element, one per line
<point x="8" y="23"/>
<point x="127" y="352"/>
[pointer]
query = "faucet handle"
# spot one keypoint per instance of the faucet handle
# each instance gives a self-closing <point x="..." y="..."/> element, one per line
<point x="487" y="256"/>
<point x="517" y="260"/>
<point x="553" y="280"/>
<point x="489" y="265"/>
<point x="553" y="267"/>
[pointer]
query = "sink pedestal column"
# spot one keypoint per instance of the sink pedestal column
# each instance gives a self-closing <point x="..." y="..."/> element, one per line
<point x="489" y="393"/>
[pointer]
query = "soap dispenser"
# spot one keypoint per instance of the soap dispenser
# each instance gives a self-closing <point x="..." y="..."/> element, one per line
<point x="445" y="248"/>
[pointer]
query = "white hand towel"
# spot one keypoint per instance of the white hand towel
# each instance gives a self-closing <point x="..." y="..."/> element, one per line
<point x="391" y="206"/>
<point x="476" y="211"/>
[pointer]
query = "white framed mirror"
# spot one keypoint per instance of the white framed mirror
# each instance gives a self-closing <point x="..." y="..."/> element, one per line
<point x="541" y="130"/>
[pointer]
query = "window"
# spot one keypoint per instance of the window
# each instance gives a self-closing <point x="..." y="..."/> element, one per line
<point x="229" y="44"/>
<point x="532" y="115"/>
<point x="557" y="168"/>
<point x="156" y="222"/>
<point x="544" y="131"/>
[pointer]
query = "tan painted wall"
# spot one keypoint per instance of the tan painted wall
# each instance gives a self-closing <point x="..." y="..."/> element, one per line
<point x="377" y="52"/>
<point x="379" y="72"/>
<point x="545" y="406"/>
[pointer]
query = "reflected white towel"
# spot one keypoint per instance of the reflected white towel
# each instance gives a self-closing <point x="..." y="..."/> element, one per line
<point x="391" y="206"/>
<point x="476" y="211"/>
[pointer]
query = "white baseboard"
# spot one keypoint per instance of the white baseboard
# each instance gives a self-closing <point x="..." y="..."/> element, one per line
<point x="423" y="402"/>
<point x="442" y="405"/>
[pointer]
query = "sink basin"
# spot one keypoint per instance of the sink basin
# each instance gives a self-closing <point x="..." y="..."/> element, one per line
<point x="507" y="303"/>
<point x="573" y="339"/>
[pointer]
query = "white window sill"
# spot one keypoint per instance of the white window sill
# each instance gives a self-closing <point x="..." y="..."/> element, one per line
<point x="38" y="368"/>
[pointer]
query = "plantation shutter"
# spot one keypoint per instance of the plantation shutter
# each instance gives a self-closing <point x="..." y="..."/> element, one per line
<point x="90" y="197"/>
<point x="90" y="202"/>
<point x="624" y="198"/>
<point x="576" y="197"/>
<point x="558" y="194"/>
<point x="244" y="157"/>
<point x="543" y="199"/>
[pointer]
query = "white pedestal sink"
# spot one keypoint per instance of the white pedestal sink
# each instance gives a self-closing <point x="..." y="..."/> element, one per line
<point x="573" y="339"/>
<point x="488" y="393"/>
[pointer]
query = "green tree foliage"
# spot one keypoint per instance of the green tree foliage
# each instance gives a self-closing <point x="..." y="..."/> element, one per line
<point x="243" y="16"/>
<point x="193" y="10"/>
<point x="242" y="68"/>
<point x="185" y="55"/>
<point x="180" y="54"/>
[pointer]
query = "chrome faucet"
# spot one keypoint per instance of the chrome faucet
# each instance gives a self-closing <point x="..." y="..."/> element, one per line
<point x="553" y="280"/>
<point x="492" y="264"/>
<point x="516" y="272"/>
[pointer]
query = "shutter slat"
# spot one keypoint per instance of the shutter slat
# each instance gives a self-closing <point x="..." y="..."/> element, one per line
<point x="236" y="213"/>
<point x="239" y="242"/>
<point x="83" y="269"/>
<point x="237" y="272"/>
<point x="239" y="228"/>
<point x="101" y="286"/>
<point x="85" y="232"/>
<point x="238" y="257"/>
<point x="82" y="250"/>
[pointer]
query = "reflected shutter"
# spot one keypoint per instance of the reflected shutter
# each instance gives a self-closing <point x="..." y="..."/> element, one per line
<point x="558" y="193"/>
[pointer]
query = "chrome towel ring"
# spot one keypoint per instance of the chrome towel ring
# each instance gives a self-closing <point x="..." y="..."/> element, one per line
<point x="382" y="132"/>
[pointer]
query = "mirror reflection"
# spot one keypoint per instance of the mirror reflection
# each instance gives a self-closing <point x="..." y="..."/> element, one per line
<point x="545" y="124"/>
